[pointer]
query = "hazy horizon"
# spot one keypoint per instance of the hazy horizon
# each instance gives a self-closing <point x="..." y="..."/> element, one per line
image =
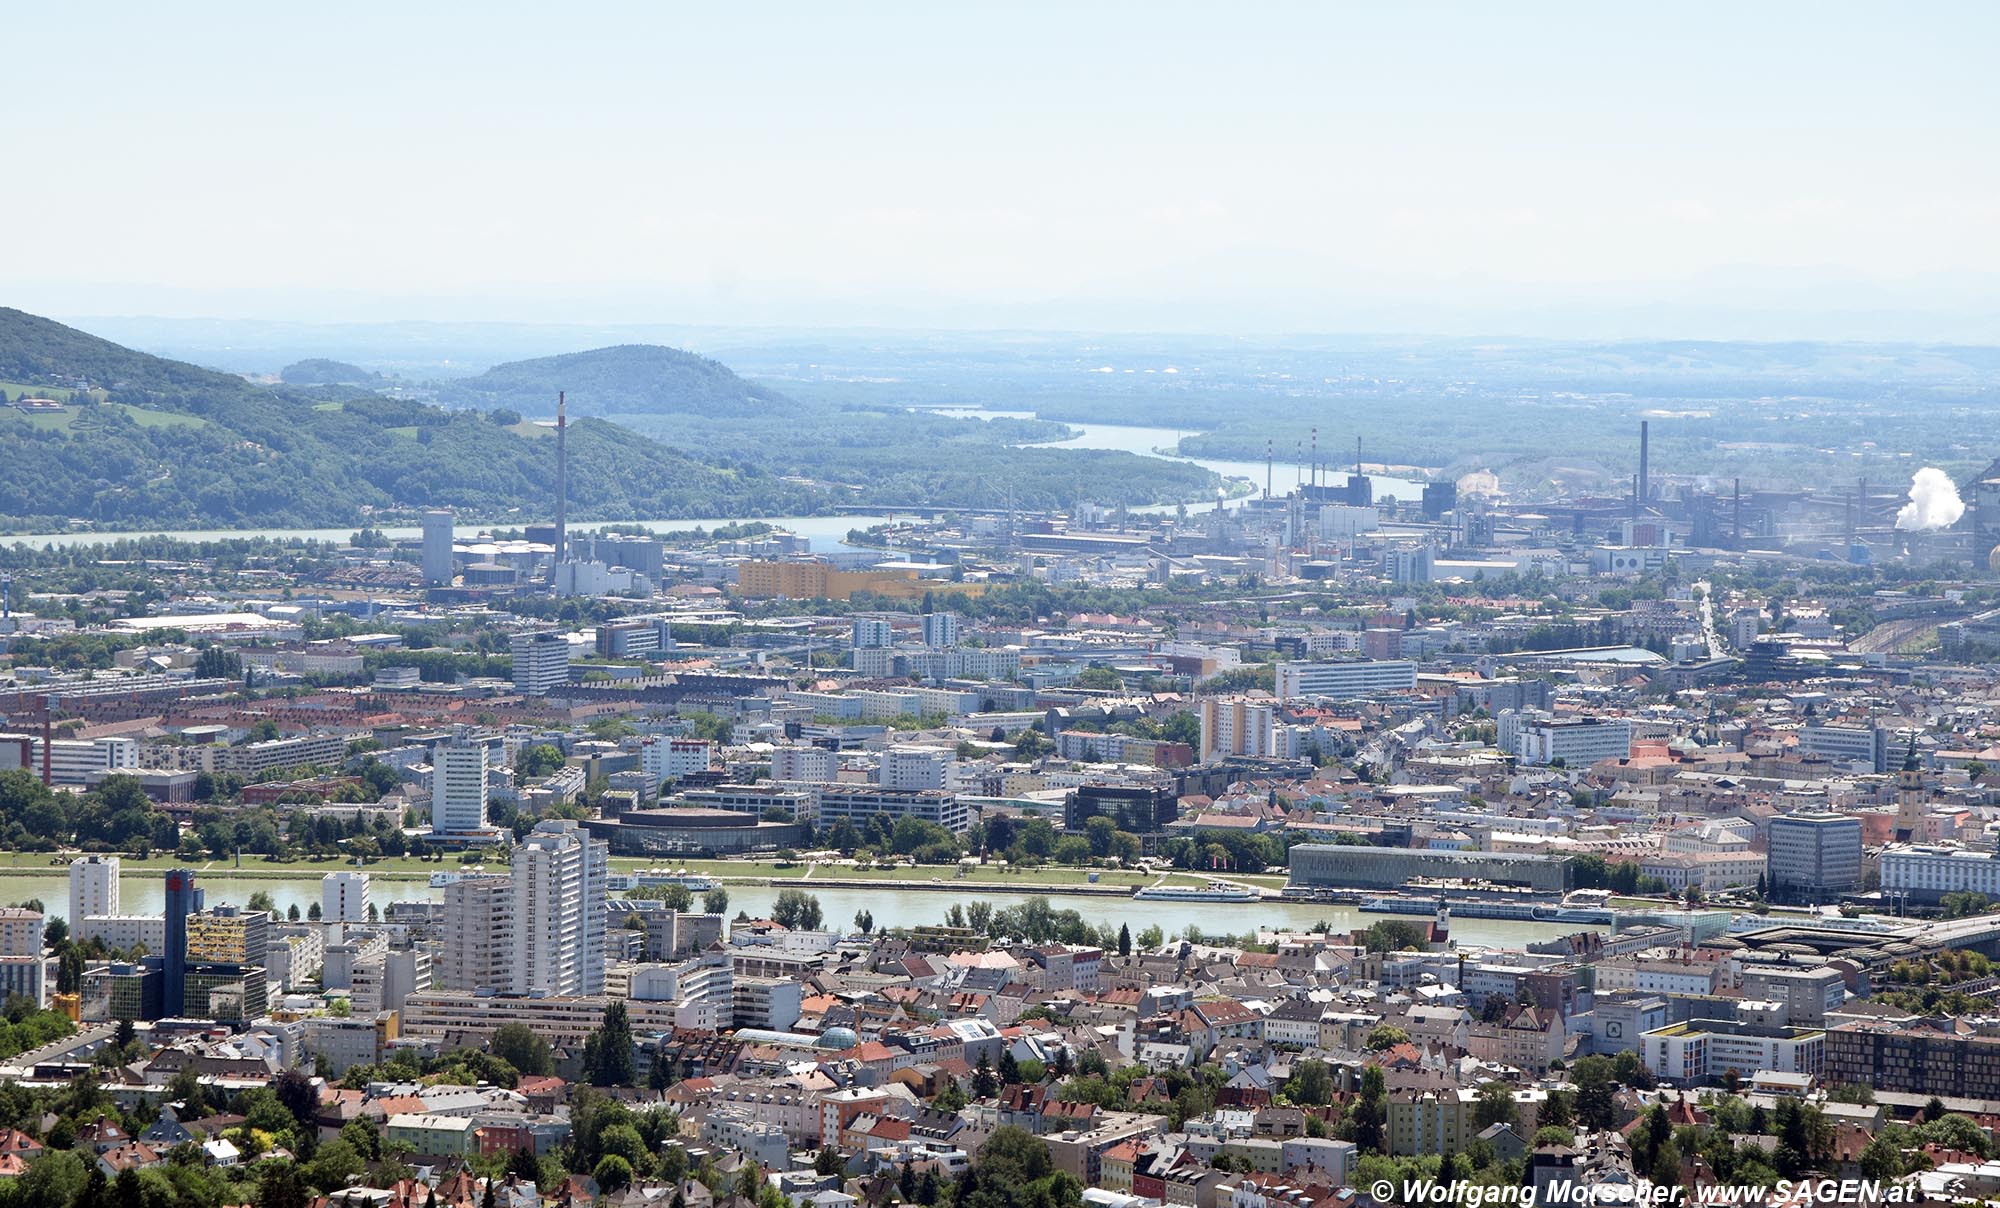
<point x="1571" y="171"/>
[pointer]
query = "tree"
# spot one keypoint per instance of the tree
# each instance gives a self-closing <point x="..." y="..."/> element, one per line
<point x="984" y="1085"/>
<point x="69" y="969"/>
<point x="262" y="900"/>
<point x="185" y="1089"/>
<point x="365" y="1135"/>
<point x="335" y="1165"/>
<point x="1152" y="937"/>
<point x="518" y="1045"/>
<point x="299" y="1096"/>
<point x="1452" y="1169"/>
<point x="1031" y="744"/>
<point x="1495" y="1105"/>
<point x="623" y="1140"/>
<point x="613" y="1173"/>
<point x="715" y="901"/>
<point x="1310" y="1084"/>
<point x="1882" y="1158"/>
<point x="1556" y="1111"/>
<point x="1395" y="935"/>
<point x="1124" y="940"/>
<point x="281" y="1186"/>
<point x="1631" y="1070"/>
<point x="607" y="1058"/>
<point x="1596" y="1090"/>
<point x="796" y="910"/>
<point x="1385" y="1036"/>
<point x="828" y="1161"/>
<point x="864" y="921"/>
<point x="1964" y="904"/>
<point x="60" y="1178"/>
<point x="538" y="761"/>
<point x="1370" y="1115"/>
<point x="1013" y="1157"/>
<point x="1010" y="1069"/>
<point x="525" y="1166"/>
<point x="1949" y="1131"/>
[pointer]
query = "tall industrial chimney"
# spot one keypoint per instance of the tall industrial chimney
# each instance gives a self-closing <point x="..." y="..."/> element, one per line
<point x="562" y="476"/>
<point x="1645" y="483"/>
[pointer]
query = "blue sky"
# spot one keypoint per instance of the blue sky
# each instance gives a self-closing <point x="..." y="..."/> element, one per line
<point x="1779" y="169"/>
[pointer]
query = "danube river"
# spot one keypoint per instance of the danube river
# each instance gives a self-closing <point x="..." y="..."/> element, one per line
<point x="144" y="894"/>
<point x="825" y="534"/>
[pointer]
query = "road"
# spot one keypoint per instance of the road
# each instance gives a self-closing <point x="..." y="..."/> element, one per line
<point x="1708" y="634"/>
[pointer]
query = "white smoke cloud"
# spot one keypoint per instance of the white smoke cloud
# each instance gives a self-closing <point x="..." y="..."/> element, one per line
<point x="1934" y="502"/>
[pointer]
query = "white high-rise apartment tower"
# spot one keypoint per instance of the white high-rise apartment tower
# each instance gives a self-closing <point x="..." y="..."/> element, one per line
<point x="93" y="889"/>
<point x="541" y="662"/>
<point x="559" y="874"/>
<point x="1235" y="725"/>
<point x="343" y="897"/>
<point x="478" y="948"/>
<point x="460" y="789"/>
<point x="940" y="629"/>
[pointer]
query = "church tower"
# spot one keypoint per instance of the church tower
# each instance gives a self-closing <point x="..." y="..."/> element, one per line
<point x="1913" y="796"/>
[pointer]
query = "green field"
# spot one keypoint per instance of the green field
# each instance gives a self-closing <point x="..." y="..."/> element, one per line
<point x="13" y="390"/>
<point x="79" y="419"/>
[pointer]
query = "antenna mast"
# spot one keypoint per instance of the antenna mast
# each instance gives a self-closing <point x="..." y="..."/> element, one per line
<point x="562" y="481"/>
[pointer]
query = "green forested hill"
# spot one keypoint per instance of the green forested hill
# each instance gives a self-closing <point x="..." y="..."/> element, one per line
<point x="319" y="371"/>
<point x="159" y="444"/>
<point x="644" y="379"/>
<point x="180" y="446"/>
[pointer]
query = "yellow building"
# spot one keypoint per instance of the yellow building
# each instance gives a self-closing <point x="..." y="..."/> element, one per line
<point x="821" y="581"/>
<point x="227" y="936"/>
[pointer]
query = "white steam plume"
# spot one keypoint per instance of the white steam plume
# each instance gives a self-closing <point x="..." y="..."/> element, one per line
<point x="1934" y="502"/>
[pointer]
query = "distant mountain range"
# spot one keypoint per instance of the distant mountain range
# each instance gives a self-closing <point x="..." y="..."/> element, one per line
<point x="159" y="444"/>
